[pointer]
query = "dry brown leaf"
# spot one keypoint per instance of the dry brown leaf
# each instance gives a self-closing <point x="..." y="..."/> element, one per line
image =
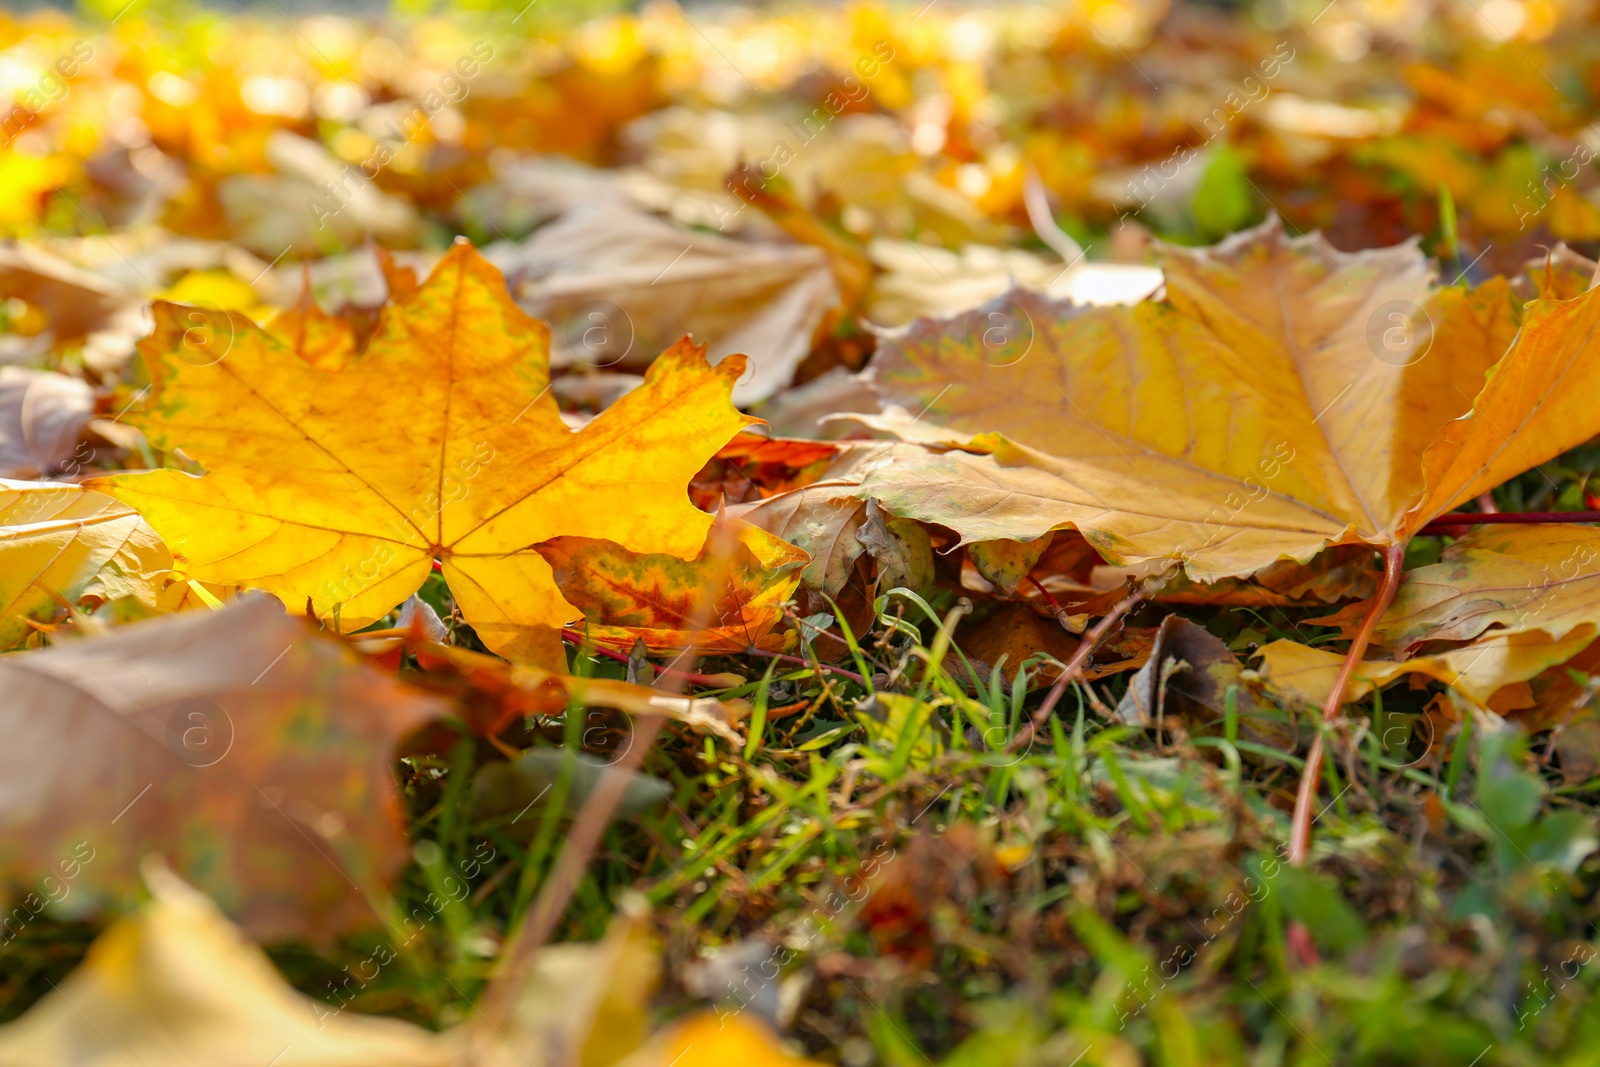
<point x="1007" y="638"/>
<point x="254" y="754"/>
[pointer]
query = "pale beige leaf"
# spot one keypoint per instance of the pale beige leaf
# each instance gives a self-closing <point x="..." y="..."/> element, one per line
<point x="618" y="286"/>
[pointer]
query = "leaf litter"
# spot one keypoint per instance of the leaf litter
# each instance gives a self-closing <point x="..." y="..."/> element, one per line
<point x="1096" y="657"/>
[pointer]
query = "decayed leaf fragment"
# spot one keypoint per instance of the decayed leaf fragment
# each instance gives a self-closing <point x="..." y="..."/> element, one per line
<point x="252" y="753"/>
<point x="1284" y="397"/>
<point x="336" y="490"/>
<point x="500" y="692"/>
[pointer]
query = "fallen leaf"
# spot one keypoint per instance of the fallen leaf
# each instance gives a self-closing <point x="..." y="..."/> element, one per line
<point x="1006" y="564"/>
<point x="917" y="280"/>
<point x="1477" y="671"/>
<point x="252" y="753"/>
<point x="726" y="600"/>
<point x="309" y="203"/>
<point x="1524" y="597"/>
<point x="1555" y="696"/>
<point x="1501" y="579"/>
<point x="63" y="544"/>
<point x="754" y="467"/>
<point x="1533" y="407"/>
<point x="1007" y="638"/>
<point x="327" y="342"/>
<point x="42" y="417"/>
<point x="1232" y="424"/>
<point x="1343" y="572"/>
<point x="619" y="285"/>
<point x="176" y="984"/>
<point x="77" y="305"/>
<point x="1188" y="677"/>
<point x="823" y="514"/>
<point x="716" y="1039"/>
<point x="1559" y="274"/>
<point x="336" y="491"/>
<point x="901" y="549"/>
<point x="584" y="1004"/>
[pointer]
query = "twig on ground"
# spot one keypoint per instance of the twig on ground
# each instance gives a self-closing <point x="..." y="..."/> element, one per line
<point x="1448" y="524"/>
<point x="1074" y="667"/>
<point x="1300" y="824"/>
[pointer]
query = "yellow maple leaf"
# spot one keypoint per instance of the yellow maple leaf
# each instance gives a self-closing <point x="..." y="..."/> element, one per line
<point x="336" y="489"/>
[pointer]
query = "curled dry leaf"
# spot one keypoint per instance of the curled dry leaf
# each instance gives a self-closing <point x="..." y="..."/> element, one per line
<point x="42" y="417"/>
<point x="336" y="491"/>
<point x="1265" y="409"/>
<point x="1189" y="677"/>
<point x="254" y="754"/>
